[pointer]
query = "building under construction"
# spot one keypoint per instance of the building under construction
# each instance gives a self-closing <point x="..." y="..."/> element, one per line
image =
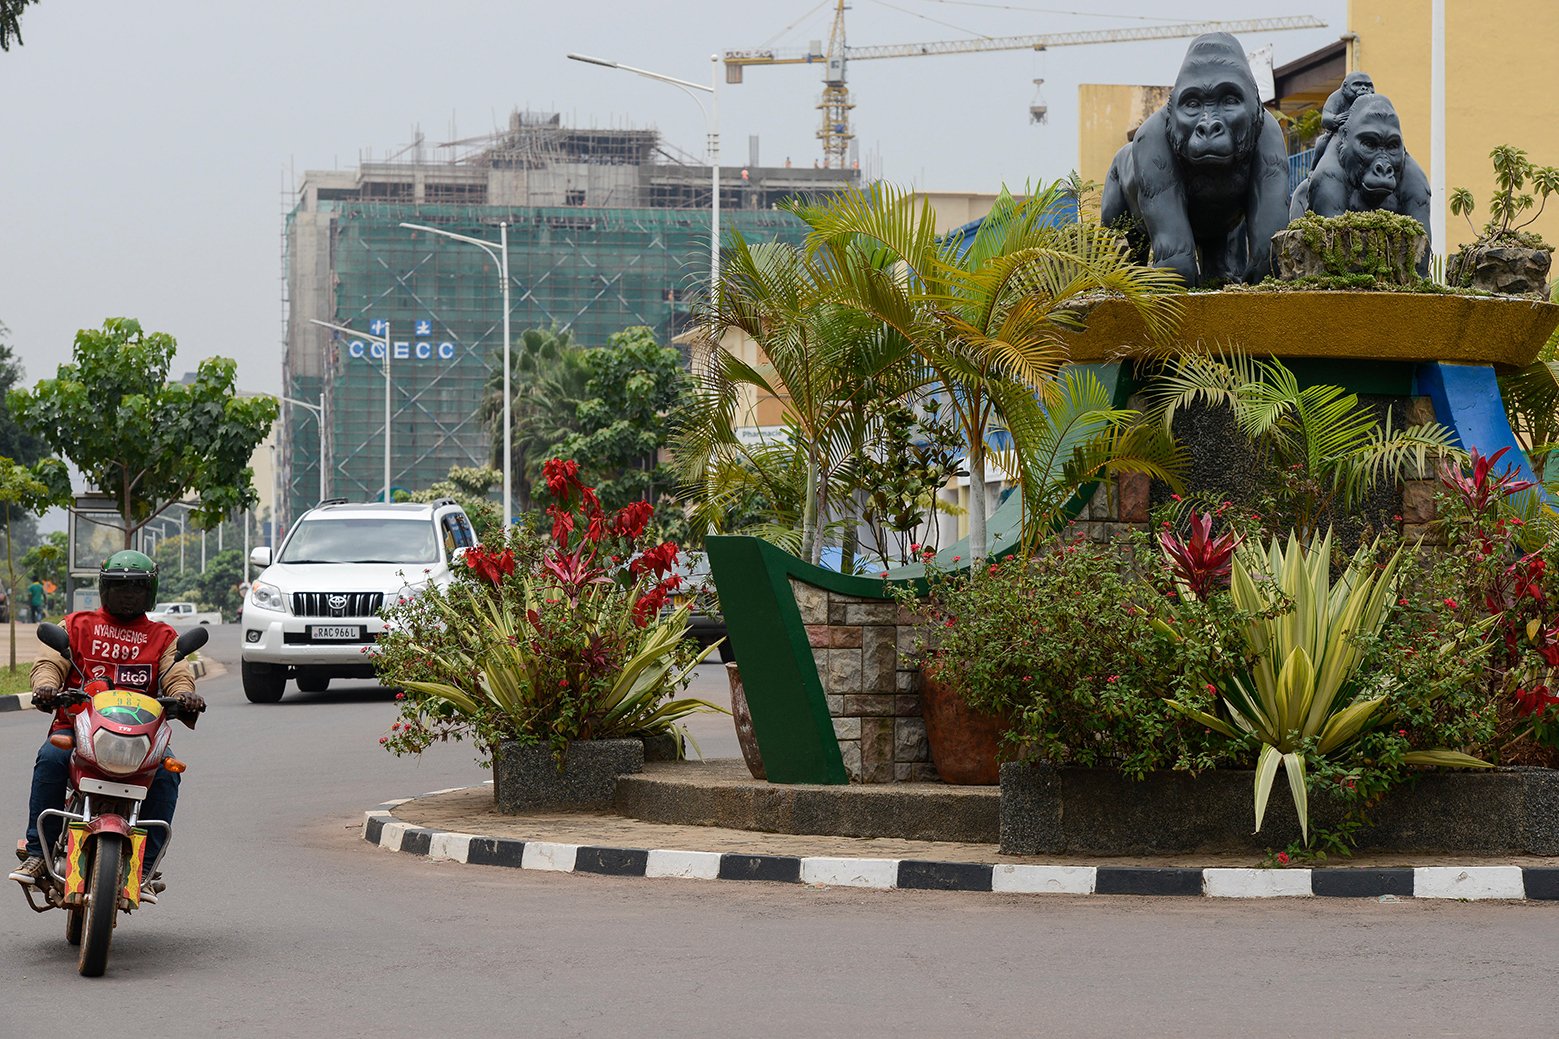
<point x="607" y="228"/>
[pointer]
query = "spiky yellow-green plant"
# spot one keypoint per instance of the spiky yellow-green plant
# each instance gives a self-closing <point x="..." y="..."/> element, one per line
<point x="1302" y="693"/>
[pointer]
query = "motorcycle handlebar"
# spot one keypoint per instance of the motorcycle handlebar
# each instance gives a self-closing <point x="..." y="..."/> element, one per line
<point x="171" y="704"/>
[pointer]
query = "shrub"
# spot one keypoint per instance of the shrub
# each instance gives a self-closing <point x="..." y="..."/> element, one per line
<point x="546" y="637"/>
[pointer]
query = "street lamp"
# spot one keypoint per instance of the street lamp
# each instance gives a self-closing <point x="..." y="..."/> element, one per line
<point x="384" y="341"/>
<point x="501" y="258"/>
<point x="712" y="116"/>
<point x="319" y="415"/>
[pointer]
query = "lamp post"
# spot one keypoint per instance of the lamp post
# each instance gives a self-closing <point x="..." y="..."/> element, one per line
<point x="501" y="259"/>
<point x="712" y="116"/>
<point x="319" y="415"/>
<point x="384" y="341"/>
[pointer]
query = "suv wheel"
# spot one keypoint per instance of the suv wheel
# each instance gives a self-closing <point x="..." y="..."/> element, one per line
<point x="263" y="683"/>
<point x="309" y="682"/>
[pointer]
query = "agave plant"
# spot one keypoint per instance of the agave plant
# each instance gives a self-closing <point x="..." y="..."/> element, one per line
<point x="1301" y="693"/>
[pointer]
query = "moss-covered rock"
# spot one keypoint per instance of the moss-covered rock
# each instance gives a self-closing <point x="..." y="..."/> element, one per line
<point x="1375" y="247"/>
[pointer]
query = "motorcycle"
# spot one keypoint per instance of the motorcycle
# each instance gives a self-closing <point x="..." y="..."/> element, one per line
<point x="96" y="867"/>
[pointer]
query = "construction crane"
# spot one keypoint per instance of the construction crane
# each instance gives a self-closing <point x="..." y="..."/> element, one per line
<point x="835" y="105"/>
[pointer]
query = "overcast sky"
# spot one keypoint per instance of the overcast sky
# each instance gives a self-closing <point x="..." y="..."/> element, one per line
<point x="150" y="149"/>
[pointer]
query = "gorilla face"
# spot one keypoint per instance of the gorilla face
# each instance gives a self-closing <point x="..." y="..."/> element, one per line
<point x="1372" y="152"/>
<point x="1357" y="84"/>
<point x="1214" y="112"/>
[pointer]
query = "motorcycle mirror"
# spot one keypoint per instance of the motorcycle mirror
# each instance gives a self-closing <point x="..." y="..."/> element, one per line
<point x="54" y="636"/>
<point x="191" y="640"/>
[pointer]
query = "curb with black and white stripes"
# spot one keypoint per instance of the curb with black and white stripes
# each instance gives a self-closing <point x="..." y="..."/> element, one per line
<point x="381" y="828"/>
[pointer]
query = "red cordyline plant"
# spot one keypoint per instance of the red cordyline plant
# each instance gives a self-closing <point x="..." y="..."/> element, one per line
<point x="1509" y="585"/>
<point x="1202" y="564"/>
<point x="571" y="640"/>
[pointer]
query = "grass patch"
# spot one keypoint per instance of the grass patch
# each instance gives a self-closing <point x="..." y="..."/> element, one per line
<point x="17" y="683"/>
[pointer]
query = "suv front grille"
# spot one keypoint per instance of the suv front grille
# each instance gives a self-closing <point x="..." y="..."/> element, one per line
<point x="337" y="604"/>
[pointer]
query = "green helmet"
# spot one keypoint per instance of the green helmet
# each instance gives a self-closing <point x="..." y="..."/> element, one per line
<point x="127" y="584"/>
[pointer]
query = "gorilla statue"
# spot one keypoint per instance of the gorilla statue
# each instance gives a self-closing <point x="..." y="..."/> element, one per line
<point x="1335" y="112"/>
<point x="1365" y="169"/>
<point x="1207" y="174"/>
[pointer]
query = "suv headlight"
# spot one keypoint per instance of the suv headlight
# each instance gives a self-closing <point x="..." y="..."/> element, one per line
<point x="267" y="597"/>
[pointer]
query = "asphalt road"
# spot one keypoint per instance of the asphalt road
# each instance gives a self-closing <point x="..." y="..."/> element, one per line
<point x="279" y="921"/>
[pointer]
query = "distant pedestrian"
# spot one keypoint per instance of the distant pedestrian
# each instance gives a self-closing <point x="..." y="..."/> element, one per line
<point x="35" y="599"/>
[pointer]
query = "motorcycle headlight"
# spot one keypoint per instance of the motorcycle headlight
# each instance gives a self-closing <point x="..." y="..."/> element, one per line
<point x="267" y="597"/>
<point x="120" y="754"/>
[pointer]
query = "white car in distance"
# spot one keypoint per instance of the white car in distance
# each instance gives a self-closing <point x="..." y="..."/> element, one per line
<point x="182" y="613"/>
<point x="314" y="612"/>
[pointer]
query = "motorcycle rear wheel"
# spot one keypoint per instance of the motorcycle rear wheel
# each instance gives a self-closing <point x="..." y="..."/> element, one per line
<point x="73" y="920"/>
<point x="102" y="906"/>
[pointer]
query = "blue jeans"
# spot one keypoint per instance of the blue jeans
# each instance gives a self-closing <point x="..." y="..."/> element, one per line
<point x="51" y="774"/>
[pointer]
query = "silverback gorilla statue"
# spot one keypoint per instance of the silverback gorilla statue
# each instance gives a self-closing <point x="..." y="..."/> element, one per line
<point x="1335" y="112"/>
<point x="1367" y="168"/>
<point x="1207" y="174"/>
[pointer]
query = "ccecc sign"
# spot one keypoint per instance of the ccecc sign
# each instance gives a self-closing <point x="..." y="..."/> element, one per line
<point x="421" y="347"/>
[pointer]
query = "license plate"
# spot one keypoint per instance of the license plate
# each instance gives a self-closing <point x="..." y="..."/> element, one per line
<point x="335" y="632"/>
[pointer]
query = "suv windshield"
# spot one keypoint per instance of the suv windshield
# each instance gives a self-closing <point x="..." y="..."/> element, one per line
<point x="361" y="540"/>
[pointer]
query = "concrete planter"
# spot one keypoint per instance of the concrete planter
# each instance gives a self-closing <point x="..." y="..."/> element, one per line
<point x="1046" y="810"/>
<point x="526" y="777"/>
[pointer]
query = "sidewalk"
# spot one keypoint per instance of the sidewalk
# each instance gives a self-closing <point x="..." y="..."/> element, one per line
<point x="461" y="825"/>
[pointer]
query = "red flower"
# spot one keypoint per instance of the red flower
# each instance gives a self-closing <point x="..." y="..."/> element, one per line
<point x="648" y="606"/>
<point x="658" y="560"/>
<point x="1282" y="858"/>
<point x="631" y="519"/>
<point x="1534" y="701"/>
<point x="562" y="524"/>
<point x="493" y="568"/>
<point x="1450" y="603"/>
<point x="1480" y="491"/>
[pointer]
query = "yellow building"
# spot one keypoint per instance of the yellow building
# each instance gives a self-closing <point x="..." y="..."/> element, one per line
<point x="1498" y="87"/>
<point x="1108" y="114"/>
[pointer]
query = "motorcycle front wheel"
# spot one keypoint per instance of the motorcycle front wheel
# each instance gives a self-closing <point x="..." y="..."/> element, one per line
<point x="102" y="905"/>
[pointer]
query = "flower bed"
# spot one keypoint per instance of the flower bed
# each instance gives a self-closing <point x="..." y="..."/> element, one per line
<point x="1146" y="677"/>
<point x="547" y="639"/>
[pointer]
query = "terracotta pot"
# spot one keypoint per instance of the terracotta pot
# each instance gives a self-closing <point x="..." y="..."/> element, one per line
<point x="743" y="719"/>
<point x="964" y="742"/>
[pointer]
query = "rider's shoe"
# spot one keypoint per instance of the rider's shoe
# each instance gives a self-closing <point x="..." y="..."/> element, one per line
<point x="31" y="873"/>
<point x="153" y="887"/>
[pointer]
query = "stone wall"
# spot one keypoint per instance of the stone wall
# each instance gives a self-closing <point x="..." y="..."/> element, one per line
<point x="864" y="651"/>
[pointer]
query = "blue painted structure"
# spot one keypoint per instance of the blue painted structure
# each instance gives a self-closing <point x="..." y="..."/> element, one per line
<point x="1467" y="400"/>
<point x="1299" y="166"/>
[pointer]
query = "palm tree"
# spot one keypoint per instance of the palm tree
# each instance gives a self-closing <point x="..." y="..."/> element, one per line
<point x="1075" y="438"/>
<point x="985" y="316"/>
<point x="547" y="379"/>
<point x="1322" y="433"/>
<point x="820" y="360"/>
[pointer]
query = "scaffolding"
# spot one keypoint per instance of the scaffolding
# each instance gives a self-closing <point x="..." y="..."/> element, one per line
<point x="590" y="272"/>
<point x="608" y="228"/>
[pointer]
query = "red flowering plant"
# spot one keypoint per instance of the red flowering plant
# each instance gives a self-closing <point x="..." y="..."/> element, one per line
<point x="549" y="636"/>
<point x="1508" y="566"/>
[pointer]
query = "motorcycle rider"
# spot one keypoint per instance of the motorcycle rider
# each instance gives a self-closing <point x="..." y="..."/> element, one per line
<point x="119" y="645"/>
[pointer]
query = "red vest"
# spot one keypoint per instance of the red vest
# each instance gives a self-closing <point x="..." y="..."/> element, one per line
<point x="125" y="655"/>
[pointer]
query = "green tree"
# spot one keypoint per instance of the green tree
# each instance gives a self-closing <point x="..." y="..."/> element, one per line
<point x="986" y="316"/>
<point x="35" y="488"/>
<point x="47" y="560"/>
<point x="547" y="376"/>
<point x="634" y="384"/>
<point x="143" y="441"/>
<point x="10" y="22"/>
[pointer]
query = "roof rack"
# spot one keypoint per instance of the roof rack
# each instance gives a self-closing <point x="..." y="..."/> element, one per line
<point x="445" y="501"/>
<point x="330" y="501"/>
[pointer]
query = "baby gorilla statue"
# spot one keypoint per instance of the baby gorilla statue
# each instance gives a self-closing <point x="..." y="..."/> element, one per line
<point x="1367" y="168"/>
<point x="1207" y="174"/>
<point x="1335" y="112"/>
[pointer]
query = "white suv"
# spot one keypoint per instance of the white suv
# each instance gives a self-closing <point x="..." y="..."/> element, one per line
<point x="313" y="614"/>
